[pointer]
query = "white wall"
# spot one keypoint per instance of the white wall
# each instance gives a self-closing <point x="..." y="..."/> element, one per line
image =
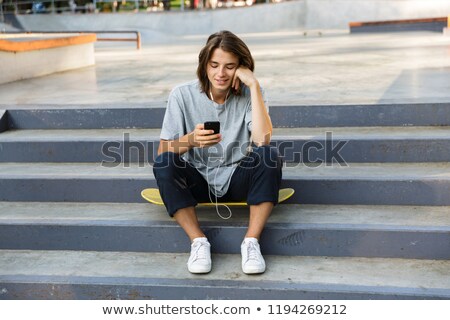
<point x="296" y="14"/>
<point x="260" y="18"/>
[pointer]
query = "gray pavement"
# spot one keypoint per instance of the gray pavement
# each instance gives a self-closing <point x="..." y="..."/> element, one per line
<point x="313" y="67"/>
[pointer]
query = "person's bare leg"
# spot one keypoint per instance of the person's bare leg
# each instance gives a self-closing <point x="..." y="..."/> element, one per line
<point x="187" y="219"/>
<point x="252" y="260"/>
<point x="200" y="258"/>
<point x="258" y="218"/>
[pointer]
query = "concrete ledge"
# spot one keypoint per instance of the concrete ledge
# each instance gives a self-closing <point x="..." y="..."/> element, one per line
<point x="28" y="57"/>
<point x="21" y="43"/>
<point x="404" y="21"/>
<point x="427" y="24"/>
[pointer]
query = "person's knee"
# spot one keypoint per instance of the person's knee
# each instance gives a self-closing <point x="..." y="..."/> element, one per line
<point x="165" y="165"/>
<point x="164" y="159"/>
<point x="269" y="156"/>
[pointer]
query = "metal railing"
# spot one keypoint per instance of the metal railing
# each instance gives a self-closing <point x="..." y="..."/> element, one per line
<point x="137" y="39"/>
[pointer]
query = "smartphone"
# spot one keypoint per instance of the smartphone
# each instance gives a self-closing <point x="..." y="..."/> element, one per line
<point x="212" y="125"/>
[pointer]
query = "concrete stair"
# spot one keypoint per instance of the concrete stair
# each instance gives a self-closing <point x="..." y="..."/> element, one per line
<point x="414" y="232"/>
<point x="129" y="275"/>
<point x="352" y="144"/>
<point x="355" y="183"/>
<point x="373" y="226"/>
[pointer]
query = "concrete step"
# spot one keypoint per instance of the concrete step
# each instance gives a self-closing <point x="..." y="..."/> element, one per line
<point x="307" y="230"/>
<point x="127" y="275"/>
<point x="355" y="183"/>
<point x="151" y="116"/>
<point x="401" y="25"/>
<point x="338" y="144"/>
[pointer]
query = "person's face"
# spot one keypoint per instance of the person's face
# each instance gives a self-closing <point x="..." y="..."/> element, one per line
<point x="221" y="69"/>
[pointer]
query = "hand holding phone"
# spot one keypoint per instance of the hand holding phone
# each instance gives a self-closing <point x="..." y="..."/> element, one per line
<point x="212" y="125"/>
<point x="202" y="135"/>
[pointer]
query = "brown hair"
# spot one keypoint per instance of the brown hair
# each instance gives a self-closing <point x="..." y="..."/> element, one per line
<point x="229" y="42"/>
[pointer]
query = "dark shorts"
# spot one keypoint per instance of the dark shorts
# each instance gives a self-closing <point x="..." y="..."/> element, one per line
<point x="257" y="179"/>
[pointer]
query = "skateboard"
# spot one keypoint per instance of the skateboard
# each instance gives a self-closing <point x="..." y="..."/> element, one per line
<point x="152" y="195"/>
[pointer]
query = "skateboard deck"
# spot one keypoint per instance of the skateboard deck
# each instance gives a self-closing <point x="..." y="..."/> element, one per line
<point x="152" y="195"/>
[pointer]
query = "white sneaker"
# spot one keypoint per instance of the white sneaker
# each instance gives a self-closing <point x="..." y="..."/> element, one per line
<point x="252" y="259"/>
<point x="200" y="259"/>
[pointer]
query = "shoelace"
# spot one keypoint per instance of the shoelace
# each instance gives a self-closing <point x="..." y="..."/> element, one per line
<point x="200" y="251"/>
<point x="252" y="252"/>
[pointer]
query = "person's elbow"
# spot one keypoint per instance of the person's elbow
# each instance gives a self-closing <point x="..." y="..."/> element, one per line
<point x="261" y="143"/>
<point x="262" y="140"/>
<point x="163" y="146"/>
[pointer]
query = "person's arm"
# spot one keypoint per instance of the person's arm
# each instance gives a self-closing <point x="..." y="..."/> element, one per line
<point x="180" y="145"/>
<point x="174" y="126"/>
<point x="261" y="123"/>
<point x="198" y="138"/>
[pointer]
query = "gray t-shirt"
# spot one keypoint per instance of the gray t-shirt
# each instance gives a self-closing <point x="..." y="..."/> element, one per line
<point x="188" y="106"/>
